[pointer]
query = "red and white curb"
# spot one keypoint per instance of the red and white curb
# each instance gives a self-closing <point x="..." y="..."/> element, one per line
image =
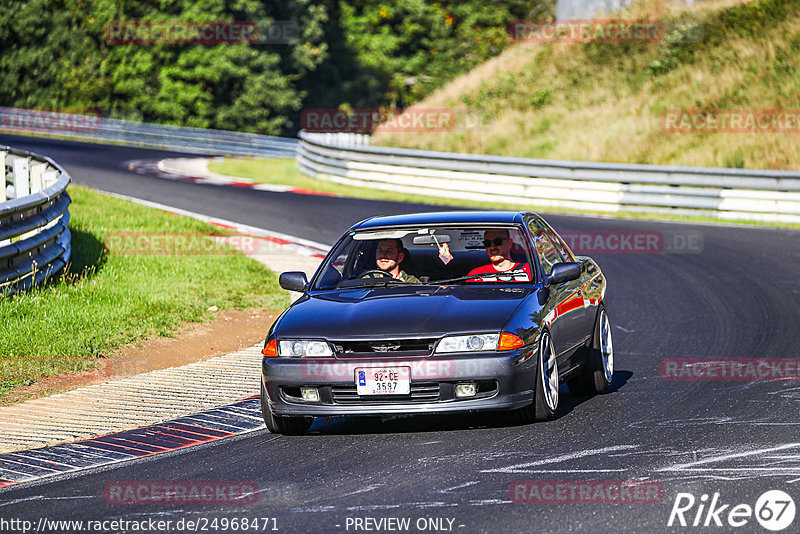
<point x="186" y="173"/>
<point x="210" y="425"/>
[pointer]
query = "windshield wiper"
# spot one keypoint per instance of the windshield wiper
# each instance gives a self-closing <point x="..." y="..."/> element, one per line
<point x="373" y="282"/>
<point x="465" y="278"/>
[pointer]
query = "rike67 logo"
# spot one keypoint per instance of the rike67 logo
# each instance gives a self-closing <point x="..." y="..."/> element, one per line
<point x="774" y="510"/>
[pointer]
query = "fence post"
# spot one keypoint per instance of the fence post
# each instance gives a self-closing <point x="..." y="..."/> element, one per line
<point x="3" y="176"/>
<point x="22" y="184"/>
<point x="37" y="183"/>
<point x="49" y="177"/>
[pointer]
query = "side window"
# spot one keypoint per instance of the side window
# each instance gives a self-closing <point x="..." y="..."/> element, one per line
<point x="562" y="247"/>
<point x="547" y="253"/>
<point x="340" y="261"/>
<point x="335" y="269"/>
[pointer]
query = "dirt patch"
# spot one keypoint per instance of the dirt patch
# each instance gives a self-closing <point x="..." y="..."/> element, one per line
<point x="230" y="331"/>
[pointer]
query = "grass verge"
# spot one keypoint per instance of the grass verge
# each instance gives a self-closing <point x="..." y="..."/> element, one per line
<point x="110" y="297"/>
<point x="285" y="172"/>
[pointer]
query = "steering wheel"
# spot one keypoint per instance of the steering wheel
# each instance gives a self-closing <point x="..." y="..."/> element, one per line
<point x="375" y="271"/>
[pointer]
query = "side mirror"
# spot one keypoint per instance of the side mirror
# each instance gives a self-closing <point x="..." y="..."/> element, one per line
<point x="294" y="281"/>
<point x="563" y="272"/>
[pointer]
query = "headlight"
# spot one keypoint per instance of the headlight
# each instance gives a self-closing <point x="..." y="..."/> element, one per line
<point x="297" y="348"/>
<point x="471" y="343"/>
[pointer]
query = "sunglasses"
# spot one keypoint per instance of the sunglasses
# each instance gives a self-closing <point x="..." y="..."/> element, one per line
<point x="497" y="241"/>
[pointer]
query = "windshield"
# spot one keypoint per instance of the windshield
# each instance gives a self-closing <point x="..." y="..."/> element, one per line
<point x="428" y="255"/>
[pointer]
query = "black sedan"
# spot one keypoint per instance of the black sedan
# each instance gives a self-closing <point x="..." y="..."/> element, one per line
<point x="438" y="313"/>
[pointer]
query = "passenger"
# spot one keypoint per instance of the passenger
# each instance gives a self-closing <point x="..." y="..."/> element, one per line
<point x="498" y="248"/>
<point x="389" y="255"/>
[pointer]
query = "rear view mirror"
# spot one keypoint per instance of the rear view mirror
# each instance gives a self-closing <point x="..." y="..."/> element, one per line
<point x="294" y="281"/>
<point x="431" y="239"/>
<point x="563" y="272"/>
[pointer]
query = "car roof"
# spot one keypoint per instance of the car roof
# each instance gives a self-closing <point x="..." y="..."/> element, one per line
<point x="443" y="217"/>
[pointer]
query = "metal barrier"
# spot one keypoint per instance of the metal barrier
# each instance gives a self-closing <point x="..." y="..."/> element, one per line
<point x="184" y="139"/>
<point x="34" y="237"/>
<point x="772" y="196"/>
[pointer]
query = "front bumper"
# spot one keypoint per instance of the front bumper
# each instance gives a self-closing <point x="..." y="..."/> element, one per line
<point x="505" y="381"/>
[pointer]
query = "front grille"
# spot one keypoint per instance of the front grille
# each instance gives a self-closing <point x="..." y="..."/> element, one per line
<point x="420" y="392"/>
<point x="389" y="347"/>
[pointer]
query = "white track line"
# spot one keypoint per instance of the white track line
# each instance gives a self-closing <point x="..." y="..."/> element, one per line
<point x="558" y="459"/>
<point x="693" y="465"/>
<point x="316" y="247"/>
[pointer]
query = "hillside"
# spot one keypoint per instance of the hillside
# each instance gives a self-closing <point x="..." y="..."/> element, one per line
<point x="603" y="101"/>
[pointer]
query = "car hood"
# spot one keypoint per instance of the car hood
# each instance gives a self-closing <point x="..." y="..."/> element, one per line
<point x="401" y="312"/>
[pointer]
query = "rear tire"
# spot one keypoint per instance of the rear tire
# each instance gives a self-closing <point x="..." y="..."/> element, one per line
<point x="545" y="390"/>
<point x="281" y="424"/>
<point x="598" y="372"/>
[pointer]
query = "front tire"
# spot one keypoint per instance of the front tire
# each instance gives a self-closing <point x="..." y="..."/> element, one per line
<point x="598" y="372"/>
<point x="281" y="424"/>
<point x="545" y="391"/>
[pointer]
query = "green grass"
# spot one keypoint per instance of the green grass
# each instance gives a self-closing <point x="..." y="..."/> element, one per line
<point x="110" y="298"/>
<point x="285" y="172"/>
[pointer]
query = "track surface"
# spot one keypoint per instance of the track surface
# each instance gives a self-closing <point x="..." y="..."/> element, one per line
<point x="740" y="297"/>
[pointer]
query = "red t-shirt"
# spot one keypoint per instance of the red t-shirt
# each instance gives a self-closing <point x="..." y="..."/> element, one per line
<point x="520" y="272"/>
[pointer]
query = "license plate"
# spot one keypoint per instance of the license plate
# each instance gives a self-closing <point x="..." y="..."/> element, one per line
<point x="383" y="380"/>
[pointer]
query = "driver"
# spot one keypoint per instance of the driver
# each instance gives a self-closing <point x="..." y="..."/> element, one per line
<point x="389" y="255"/>
<point x="498" y="248"/>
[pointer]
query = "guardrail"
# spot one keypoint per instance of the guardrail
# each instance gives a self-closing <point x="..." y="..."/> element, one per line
<point x="772" y="196"/>
<point x="179" y="138"/>
<point x="34" y="237"/>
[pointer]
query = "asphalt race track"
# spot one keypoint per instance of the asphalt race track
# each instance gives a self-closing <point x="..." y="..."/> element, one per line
<point x="738" y="297"/>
